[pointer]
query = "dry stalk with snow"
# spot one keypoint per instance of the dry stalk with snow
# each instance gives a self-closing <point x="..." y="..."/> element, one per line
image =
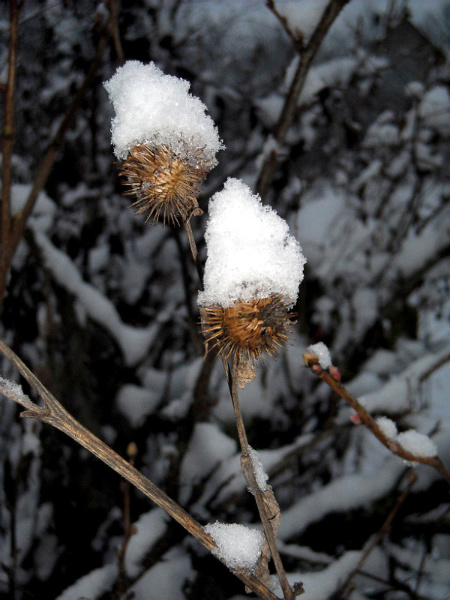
<point x="411" y="446"/>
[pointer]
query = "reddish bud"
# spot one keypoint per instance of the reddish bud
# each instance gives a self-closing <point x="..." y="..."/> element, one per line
<point x="335" y="373"/>
<point x="355" y="418"/>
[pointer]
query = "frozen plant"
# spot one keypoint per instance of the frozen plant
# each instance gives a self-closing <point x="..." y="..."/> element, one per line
<point x="252" y="273"/>
<point x="165" y="173"/>
<point x="167" y="141"/>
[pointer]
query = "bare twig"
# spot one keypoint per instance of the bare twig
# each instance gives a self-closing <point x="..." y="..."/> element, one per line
<point x="194" y="251"/>
<point x="288" y="112"/>
<point x="129" y="530"/>
<point x="114" y="7"/>
<point x="7" y="149"/>
<point x="296" y="37"/>
<point x="385" y="528"/>
<point x="53" y="413"/>
<point x="434" y="461"/>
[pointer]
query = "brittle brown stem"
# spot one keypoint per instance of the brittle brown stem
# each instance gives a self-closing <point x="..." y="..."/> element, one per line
<point x="194" y="251"/>
<point x="367" y="420"/>
<point x="53" y="413"/>
<point x="248" y="471"/>
<point x="412" y="478"/>
<point x="7" y="149"/>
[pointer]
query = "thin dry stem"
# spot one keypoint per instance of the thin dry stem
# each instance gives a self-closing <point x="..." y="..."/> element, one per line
<point x="248" y="471"/>
<point x="7" y="149"/>
<point x="114" y="8"/>
<point x="366" y="419"/>
<point x="385" y="528"/>
<point x="296" y="37"/>
<point x="194" y="251"/>
<point x="53" y="413"/>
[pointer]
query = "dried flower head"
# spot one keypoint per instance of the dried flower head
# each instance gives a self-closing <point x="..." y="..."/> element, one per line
<point x="248" y="330"/>
<point x="166" y="186"/>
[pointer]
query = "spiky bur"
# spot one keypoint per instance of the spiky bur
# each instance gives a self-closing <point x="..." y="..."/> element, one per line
<point x="248" y="330"/>
<point x="165" y="185"/>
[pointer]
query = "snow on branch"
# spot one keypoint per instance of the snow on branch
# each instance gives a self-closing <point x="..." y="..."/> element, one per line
<point x="323" y="354"/>
<point x="237" y="546"/>
<point x="411" y="446"/>
<point x="133" y="342"/>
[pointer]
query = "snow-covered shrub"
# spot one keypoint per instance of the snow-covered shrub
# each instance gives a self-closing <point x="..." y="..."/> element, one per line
<point x="103" y="307"/>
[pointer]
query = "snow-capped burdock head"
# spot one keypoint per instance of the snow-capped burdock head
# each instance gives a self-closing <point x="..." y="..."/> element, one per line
<point x="165" y="139"/>
<point x="252" y="273"/>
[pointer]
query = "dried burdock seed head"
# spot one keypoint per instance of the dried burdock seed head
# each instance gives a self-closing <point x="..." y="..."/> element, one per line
<point x="248" y="330"/>
<point x="166" y="186"/>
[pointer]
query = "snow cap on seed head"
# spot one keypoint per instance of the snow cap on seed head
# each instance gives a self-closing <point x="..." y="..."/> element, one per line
<point x="250" y="253"/>
<point x="157" y="110"/>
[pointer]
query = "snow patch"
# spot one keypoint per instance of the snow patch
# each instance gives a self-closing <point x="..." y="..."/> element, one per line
<point x="238" y="546"/>
<point x="387" y="426"/>
<point x="250" y="251"/>
<point x="92" y="585"/>
<point x="149" y="528"/>
<point x="136" y="403"/>
<point x="260" y="475"/>
<point x="417" y="443"/>
<point x="157" y="109"/>
<point x="323" y="354"/>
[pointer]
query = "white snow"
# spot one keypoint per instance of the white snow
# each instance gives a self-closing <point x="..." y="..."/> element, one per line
<point x="136" y="403"/>
<point x="393" y="397"/>
<point x="208" y="448"/>
<point x="133" y="342"/>
<point x="412" y="441"/>
<point x="340" y="496"/>
<point x="250" y="253"/>
<point x="398" y="393"/>
<point x="227" y="480"/>
<point x="157" y="109"/>
<point x="13" y="388"/>
<point x="383" y="132"/>
<point x="260" y="475"/>
<point x="92" y="585"/>
<point x="302" y="16"/>
<point x="387" y="426"/>
<point x="434" y="109"/>
<point x="322" y="353"/>
<point x="417" y="443"/>
<point x="166" y="580"/>
<point x="44" y="208"/>
<point x="149" y="528"/>
<point x="238" y="546"/>
<point x="322" y="584"/>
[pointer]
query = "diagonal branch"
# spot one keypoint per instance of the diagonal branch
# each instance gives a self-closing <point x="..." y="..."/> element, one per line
<point x="366" y="419"/>
<point x="53" y="413"/>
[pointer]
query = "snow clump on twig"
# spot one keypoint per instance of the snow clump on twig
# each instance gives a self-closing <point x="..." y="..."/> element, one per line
<point x="323" y="354"/>
<point x="238" y="546"/>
